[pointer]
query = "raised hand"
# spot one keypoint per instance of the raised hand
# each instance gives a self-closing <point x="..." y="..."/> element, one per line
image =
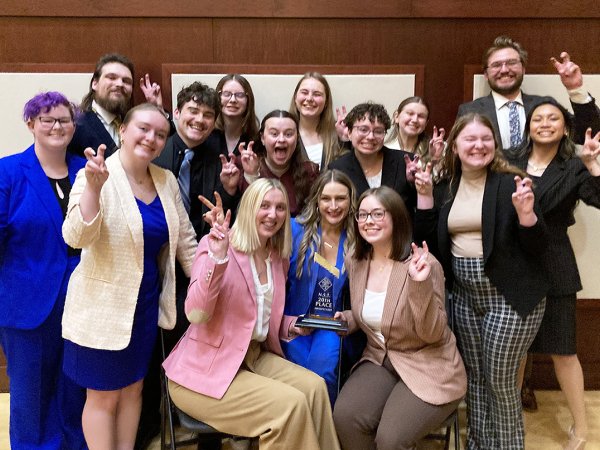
<point x="523" y="199"/>
<point x="424" y="181"/>
<point x="250" y="161"/>
<point x="570" y="73"/>
<point x="419" y="266"/>
<point x="230" y="174"/>
<point x="340" y="126"/>
<point x="215" y="214"/>
<point x="412" y="167"/>
<point x="590" y="151"/>
<point x="437" y="144"/>
<point x="96" y="173"/>
<point x="151" y="91"/>
<point x="218" y="237"/>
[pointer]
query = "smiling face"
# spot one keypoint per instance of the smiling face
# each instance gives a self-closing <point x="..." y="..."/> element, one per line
<point x="310" y="98"/>
<point x="113" y="88"/>
<point x="195" y="122"/>
<point x="271" y="215"/>
<point x="505" y="71"/>
<point x="334" y="203"/>
<point x="366" y="136"/>
<point x="279" y="138"/>
<point x="412" y="119"/>
<point x="475" y="146"/>
<point x="234" y="99"/>
<point x="52" y="130"/>
<point x="375" y="232"/>
<point x="547" y="125"/>
<point x="145" y="135"/>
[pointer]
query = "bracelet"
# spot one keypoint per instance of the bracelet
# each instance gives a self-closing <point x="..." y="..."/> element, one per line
<point x="217" y="260"/>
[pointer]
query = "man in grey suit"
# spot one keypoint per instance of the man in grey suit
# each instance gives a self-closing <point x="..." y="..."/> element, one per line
<point x="503" y="68"/>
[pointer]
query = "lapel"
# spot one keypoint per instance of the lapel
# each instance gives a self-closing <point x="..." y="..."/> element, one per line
<point x="38" y="181"/>
<point x="104" y="136"/>
<point x="398" y="278"/>
<point x="357" y="175"/>
<point x="550" y="181"/>
<point x="389" y="168"/>
<point x="243" y="262"/>
<point x="489" y="110"/>
<point x="129" y="208"/>
<point x="488" y="212"/>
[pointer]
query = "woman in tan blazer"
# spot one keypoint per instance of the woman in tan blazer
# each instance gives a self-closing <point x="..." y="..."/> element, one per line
<point x="410" y="377"/>
<point x="130" y="226"/>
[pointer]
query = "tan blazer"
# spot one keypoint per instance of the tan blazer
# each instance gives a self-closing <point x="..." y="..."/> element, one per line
<point x="418" y="342"/>
<point x="103" y="290"/>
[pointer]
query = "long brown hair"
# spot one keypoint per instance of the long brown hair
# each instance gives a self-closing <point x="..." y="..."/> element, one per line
<point x="249" y="121"/>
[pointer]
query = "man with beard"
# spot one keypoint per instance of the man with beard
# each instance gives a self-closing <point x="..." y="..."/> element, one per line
<point x="507" y="106"/>
<point x="105" y="105"/>
<point x="195" y="158"/>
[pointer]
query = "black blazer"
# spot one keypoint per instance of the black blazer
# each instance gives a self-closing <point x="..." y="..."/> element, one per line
<point x="205" y="171"/>
<point x="393" y="174"/>
<point x="586" y="114"/>
<point x="557" y="191"/>
<point x="90" y="132"/>
<point x="511" y="253"/>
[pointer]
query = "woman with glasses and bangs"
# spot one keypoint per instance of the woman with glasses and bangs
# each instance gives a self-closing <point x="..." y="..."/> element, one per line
<point x="370" y="164"/>
<point x="410" y="377"/>
<point x="237" y="122"/>
<point x="35" y="267"/>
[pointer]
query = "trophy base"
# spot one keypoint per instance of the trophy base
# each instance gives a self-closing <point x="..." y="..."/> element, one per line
<point x="321" y="323"/>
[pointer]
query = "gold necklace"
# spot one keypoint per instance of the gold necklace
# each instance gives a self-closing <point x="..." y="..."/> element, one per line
<point x="536" y="168"/>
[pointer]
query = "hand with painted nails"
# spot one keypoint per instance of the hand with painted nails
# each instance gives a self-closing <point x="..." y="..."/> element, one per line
<point x="570" y="73"/>
<point x="230" y="174"/>
<point x="419" y="266"/>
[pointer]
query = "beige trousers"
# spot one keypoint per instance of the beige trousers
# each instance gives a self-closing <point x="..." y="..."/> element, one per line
<point x="281" y="403"/>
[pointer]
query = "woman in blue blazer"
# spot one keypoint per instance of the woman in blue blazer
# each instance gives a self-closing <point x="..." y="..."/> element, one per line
<point x="35" y="266"/>
<point x="326" y="228"/>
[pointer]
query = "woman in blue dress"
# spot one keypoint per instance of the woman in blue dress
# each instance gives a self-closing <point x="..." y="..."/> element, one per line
<point x="131" y="226"/>
<point x="35" y="265"/>
<point x="321" y="237"/>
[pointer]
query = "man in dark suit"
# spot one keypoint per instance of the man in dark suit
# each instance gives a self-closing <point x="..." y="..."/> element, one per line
<point x="195" y="157"/>
<point x="507" y="106"/>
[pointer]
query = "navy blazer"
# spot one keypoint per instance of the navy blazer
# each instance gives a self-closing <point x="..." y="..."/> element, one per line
<point x="512" y="253"/>
<point x="586" y="114"/>
<point x="33" y="254"/>
<point x="90" y="132"/>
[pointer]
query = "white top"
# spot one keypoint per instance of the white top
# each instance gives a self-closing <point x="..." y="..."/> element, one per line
<point x="501" y="104"/>
<point x="375" y="180"/>
<point x="373" y="311"/>
<point x="106" y="118"/>
<point x="264" y="299"/>
<point x="315" y="153"/>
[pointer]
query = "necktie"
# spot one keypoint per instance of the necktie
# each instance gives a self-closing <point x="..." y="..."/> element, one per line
<point x="514" y="123"/>
<point x="116" y="126"/>
<point x="184" y="178"/>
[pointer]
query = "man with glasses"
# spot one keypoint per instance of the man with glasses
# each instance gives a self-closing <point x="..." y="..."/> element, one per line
<point x="507" y="106"/>
<point x="194" y="157"/>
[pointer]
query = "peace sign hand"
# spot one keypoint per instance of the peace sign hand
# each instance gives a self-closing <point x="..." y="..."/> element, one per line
<point x="437" y="144"/>
<point x="570" y="73"/>
<point x="419" y="266"/>
<point x="250" y="162"/>
<point x="218" y="237"/>
<point x="215" y="214"/>
<point x="96" y="173"/>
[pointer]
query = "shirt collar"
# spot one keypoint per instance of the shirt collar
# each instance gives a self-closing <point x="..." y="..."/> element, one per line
<point x="500" y="100"/>
<point x="106" y="116"/>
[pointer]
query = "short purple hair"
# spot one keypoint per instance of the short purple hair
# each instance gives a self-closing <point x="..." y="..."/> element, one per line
<point x="44" y="102"/>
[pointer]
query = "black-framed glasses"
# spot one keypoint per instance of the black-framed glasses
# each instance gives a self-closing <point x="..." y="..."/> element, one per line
<point x="378" y="133"/>
<point x="49" y="122"/>
<point x="238" y="95"/>
<point x="376" y="214"/>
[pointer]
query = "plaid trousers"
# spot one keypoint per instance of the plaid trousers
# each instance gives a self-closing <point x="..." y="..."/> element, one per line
<point x="492" y="339"/>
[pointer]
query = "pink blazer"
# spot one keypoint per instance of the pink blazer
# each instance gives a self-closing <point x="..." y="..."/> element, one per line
<point x="221" y="304"/>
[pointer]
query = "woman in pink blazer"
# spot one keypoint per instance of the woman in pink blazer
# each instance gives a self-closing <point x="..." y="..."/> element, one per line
<point x="410" y="377"/>
<point x="228" y="369"/>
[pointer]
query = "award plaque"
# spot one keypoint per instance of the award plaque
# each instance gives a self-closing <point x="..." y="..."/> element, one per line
<point x="322" y="308"/>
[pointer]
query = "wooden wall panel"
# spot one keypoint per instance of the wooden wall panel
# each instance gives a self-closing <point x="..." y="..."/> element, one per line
<point x="441" y="35"/>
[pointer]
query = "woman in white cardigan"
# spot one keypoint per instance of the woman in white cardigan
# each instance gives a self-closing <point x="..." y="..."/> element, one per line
<point x="131" y="226"/>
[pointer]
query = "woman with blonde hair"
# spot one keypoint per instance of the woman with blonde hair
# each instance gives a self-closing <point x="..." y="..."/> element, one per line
<point x="228" y="369"/>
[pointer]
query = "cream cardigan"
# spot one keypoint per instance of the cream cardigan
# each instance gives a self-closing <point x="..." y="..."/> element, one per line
<point x="103" y="290"/>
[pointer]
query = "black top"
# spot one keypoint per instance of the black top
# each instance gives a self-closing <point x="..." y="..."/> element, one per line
<point x="62" y="190"/>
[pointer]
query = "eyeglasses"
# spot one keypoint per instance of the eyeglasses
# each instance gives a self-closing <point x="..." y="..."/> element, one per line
<point x="48" y="122"/>
<point x="228" y="94"/>
<point x="378" y="133"/>
<point x="377" y="215"/>
<point x="510" y="63"/>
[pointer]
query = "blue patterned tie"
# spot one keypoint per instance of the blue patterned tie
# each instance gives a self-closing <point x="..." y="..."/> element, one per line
<point x="515" y="124"/>
<point x="184" y="178"/>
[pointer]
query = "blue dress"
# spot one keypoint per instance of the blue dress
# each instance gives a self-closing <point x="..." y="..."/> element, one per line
<point x="110" y="370"/>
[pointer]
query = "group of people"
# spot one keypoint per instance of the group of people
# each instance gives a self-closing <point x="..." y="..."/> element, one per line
<point x="226" y="232"/>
